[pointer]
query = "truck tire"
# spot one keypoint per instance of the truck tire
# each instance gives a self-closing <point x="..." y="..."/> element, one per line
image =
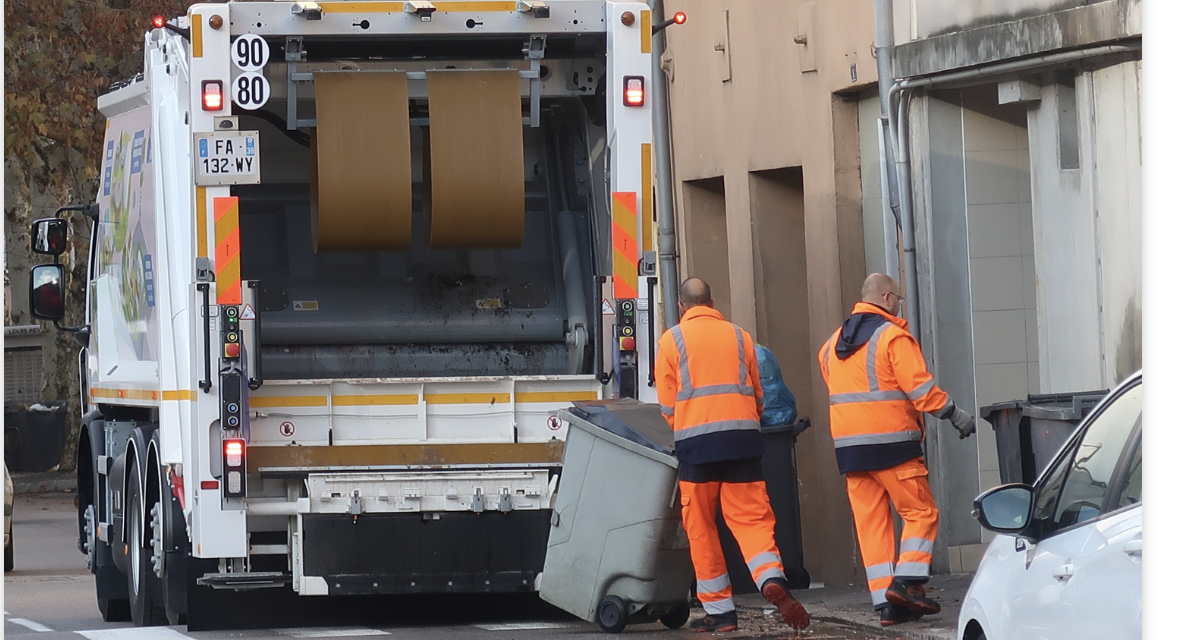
<point x="143" y="587"/>
<point x="9" y="556"/>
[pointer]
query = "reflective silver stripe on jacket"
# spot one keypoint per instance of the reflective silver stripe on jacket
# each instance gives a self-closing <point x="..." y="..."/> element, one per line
<point x="916" y="544"/>
<point x="877" y="438"/>
<point x="873" y="381"/>
<point x="716" y="427"/>
<point x="919" y="392"/>
<point x="666" y="411"/>
<point x="688" y="391"/>
<point x="867" y="396"/>
<point x="713" y="585"/>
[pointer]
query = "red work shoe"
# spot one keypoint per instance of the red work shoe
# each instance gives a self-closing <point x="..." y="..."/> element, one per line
<point x="716" y="622"/>
<point x="893" y="614"/>
<point x="912" y="597"/>
<point x="776" y="591"/>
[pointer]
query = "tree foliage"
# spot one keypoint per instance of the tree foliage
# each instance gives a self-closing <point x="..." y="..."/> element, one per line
<point x="59" y="56"/>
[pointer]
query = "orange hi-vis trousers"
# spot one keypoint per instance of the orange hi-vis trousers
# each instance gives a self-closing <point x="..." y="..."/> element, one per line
<point x="907" y="485"/>
<point x="746" y="510"/>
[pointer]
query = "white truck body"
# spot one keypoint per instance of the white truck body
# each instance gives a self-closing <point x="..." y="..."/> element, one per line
<point x="199" y="210"/>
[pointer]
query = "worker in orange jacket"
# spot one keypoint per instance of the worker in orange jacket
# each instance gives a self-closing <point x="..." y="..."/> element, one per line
<point x="710" y="392"/>
<point x="879" y="386"/>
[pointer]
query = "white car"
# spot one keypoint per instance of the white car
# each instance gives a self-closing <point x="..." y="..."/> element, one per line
<point x="1067" y="562"/>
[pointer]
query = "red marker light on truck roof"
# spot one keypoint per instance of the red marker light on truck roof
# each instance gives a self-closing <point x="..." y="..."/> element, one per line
<point x="680" y="18"/>
<point x="211" y="95"/>
<point x="634" y="91"/>
<point x="158" y="22"/>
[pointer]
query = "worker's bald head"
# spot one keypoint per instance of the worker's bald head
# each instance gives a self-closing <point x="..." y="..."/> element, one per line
<point x="694" y="292"/>
<point x="882" y="291"/>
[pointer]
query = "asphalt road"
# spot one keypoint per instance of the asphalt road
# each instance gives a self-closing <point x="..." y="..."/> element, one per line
<point x="50" y="596"/>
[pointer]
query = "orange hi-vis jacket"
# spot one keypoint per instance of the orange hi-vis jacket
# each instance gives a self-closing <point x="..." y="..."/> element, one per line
<point x="709" y="388"/>
<point x="878" y="385"/>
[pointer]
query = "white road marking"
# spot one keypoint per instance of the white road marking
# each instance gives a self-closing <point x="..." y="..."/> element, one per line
<point x="29" y="624"/>
<point x="133" y="633"/>
<point x="327" y="632"/>
<point x="523" y="626"/>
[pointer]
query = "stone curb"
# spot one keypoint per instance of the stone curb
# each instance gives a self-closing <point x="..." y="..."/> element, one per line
<point x="43" y="483"/>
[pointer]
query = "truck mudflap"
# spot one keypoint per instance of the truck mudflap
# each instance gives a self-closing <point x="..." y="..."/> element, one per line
<point x="396" y="553"/>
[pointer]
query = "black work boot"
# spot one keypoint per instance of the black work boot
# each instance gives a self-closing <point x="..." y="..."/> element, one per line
<point x="776" y="591"/>
<point x="716" y="622"/>
<point x="891" y="614"/>
<point x="911" y="595"/>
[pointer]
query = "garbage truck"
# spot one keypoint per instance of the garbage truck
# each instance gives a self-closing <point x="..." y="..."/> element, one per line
<point x="348" y="259"/>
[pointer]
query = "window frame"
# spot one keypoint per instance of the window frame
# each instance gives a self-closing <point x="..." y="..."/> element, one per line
<point x="1043" y="529"/>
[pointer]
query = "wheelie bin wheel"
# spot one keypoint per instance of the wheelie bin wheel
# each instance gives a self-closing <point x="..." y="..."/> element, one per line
<point x="612" y="614"/>
<point x="677" y="616"/>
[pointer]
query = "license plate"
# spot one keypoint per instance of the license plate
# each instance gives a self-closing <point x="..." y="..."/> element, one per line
<point x="226" y="157"/>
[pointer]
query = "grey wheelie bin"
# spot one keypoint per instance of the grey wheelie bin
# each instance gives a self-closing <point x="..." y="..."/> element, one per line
<point x="617" y="553"/>
<point x="1029" y="433"/>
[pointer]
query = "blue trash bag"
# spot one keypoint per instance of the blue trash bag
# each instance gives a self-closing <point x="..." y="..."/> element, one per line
<point x="780" y="406"/>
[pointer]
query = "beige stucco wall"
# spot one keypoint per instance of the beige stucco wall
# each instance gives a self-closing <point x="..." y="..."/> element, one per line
<point x="758" y="128"/>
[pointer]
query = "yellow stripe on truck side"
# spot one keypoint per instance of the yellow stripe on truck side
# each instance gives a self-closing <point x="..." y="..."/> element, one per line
<point x="203" y="241"/>
<point x="647" y="198"/>
<point x="647" y="34"/>
<point x="260" y="402"/>
<point x="555" y="396"/>
<point x="466" y="398"/>
<point x="195" y="24"/>
<point x="372" y="400"/>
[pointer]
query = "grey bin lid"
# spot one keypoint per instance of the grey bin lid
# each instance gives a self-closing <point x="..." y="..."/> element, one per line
<point x="1053" y="406"/>
<point x="638" y="422"/>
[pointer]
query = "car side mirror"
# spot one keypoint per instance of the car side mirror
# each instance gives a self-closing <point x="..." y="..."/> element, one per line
<point x="1006" y="509"/>
<point x="48" y="236"/>
<point x="46" y="294"/>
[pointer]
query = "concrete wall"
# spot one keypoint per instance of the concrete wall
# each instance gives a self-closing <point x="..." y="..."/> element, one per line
<point x="938" y="17"/>
<point x="1066" y="238"/>
<point x="945" y="35"/>
<point x="1118" y="154"/>
<point x="761" y="122"/>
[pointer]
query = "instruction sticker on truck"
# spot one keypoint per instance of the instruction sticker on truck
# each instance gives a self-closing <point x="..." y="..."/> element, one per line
<point x="226" y="157"/>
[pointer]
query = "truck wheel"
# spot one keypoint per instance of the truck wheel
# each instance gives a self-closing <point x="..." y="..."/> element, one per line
<point x="677" y="616"/>
<point x="142" y="586"/>
<point x="9" y="560"/>
<point x="115" y="609"/>
<point x="612" y="614"/>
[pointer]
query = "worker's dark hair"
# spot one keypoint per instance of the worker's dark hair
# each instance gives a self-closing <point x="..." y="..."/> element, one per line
<point x="694" y="292"/>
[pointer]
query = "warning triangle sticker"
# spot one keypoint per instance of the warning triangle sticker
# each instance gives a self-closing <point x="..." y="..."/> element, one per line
<point x="607" y="309"/>
<point x="248" y="312"/>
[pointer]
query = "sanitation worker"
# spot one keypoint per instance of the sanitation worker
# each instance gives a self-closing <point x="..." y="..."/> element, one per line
<point x="710" y="392"/>
<point x="879" y="387"/>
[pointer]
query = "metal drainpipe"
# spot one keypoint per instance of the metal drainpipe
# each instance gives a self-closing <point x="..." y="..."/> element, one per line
<point x="888" y="191"/>
<point x="898" y="130"/>
<point x="667" y="250"/>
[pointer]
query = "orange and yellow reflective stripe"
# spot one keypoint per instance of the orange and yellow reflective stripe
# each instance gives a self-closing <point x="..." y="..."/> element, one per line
<point x="226" y="251"/>
<point x="625" y="245"/>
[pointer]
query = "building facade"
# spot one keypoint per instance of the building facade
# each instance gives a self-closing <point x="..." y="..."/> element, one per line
<point x="1022" y="127"/>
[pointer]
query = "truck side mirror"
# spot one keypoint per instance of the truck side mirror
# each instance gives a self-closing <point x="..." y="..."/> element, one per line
<point x="48" y="236"/>
<point x="46" y="295"/>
